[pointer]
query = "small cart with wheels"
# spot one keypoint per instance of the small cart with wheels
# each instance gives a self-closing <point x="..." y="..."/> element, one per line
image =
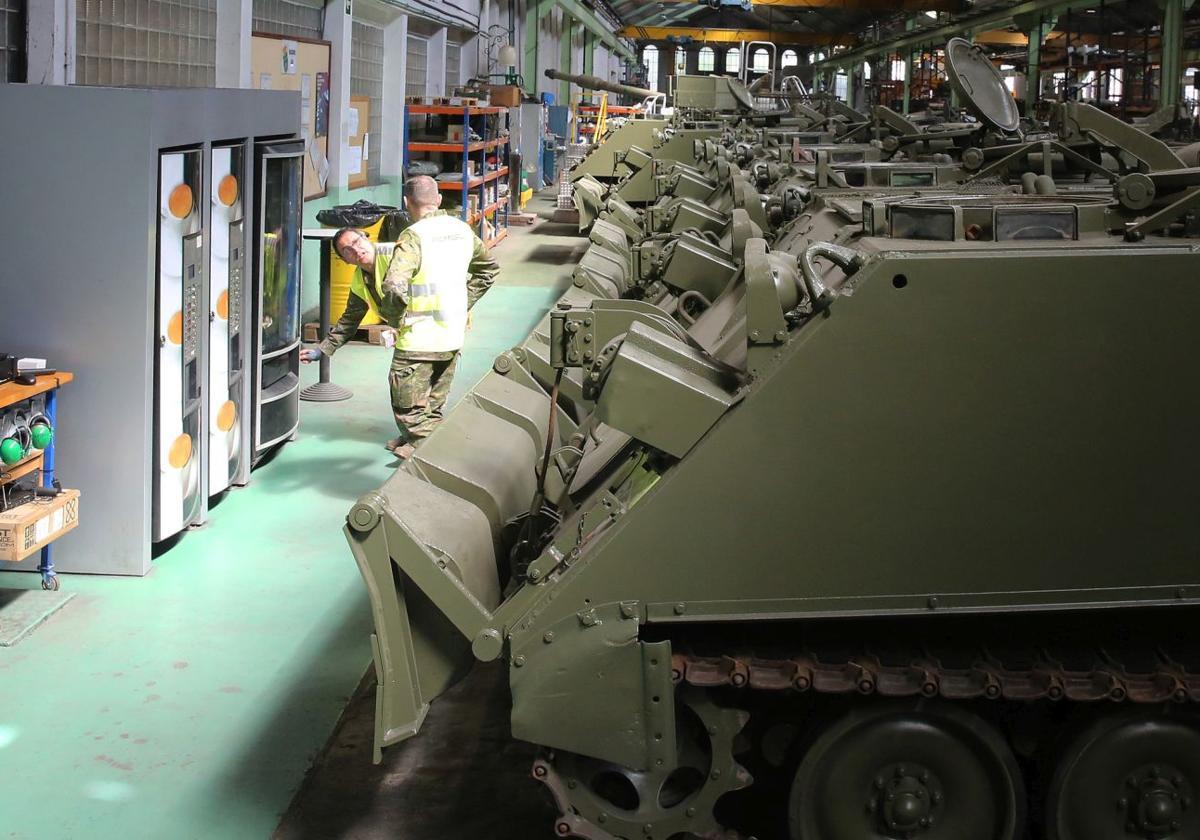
<point x="35" y="520"/>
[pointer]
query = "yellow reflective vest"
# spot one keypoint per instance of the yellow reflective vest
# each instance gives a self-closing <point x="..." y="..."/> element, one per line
<point x="358" y="283"/>
<point x="435" y="319"/>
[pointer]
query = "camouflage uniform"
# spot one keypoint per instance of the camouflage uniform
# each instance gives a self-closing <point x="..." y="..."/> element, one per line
<point x="419" y="381"/>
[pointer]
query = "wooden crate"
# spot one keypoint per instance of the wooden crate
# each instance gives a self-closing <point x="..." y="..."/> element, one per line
<point x="27" y="528"/>
<point x="373" y="334"/>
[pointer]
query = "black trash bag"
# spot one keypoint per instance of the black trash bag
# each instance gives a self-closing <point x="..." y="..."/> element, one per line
<point x="362" y="214"/>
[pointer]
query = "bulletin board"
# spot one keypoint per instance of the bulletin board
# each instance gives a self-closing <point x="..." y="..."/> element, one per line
<point x="302" y="64"/>
<point x="359" y="144"/>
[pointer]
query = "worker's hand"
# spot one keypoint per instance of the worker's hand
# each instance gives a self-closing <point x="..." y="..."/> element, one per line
<point x="313" y="354"/>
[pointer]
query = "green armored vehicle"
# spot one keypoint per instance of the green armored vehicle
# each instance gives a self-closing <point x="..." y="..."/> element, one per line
<point x="701" y="102"/>
<point x="895" y="539"/>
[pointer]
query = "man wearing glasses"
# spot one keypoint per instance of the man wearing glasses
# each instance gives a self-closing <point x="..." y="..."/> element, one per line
<point x="424" y="287"/>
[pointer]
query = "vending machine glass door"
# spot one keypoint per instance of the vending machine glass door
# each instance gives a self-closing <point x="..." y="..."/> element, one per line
<point x="277" y="292"/>
<point x="280" y="294"/>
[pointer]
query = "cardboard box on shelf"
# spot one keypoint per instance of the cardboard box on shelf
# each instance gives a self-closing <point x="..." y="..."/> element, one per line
<point x="28" y="527"/>
<point x="506" y="96"/>
<point x="454" y="132"/>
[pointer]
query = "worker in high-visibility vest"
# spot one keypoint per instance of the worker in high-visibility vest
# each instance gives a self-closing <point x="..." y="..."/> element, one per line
<point x="437" y="271"/>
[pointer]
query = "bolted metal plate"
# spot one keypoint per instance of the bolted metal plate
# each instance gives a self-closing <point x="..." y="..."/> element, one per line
<point x="980" y="85"/>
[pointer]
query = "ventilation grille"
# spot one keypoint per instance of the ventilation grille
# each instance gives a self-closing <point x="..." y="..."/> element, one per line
<point x="12" y="40"/>
<point x="161" y="43"/>
<point x="366" y="79"/>
<point x="295" y="18"/>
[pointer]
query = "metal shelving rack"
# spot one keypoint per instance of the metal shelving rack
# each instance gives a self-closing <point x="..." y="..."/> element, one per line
<point x="471" y="151"/>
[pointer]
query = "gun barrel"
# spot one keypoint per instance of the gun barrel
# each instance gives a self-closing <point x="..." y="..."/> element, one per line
<point x="596" y="83"/>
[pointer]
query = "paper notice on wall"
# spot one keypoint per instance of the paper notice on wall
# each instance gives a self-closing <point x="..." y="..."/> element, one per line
<point x="366" y="147"/>
<point x="354" y="159"/>
<point x="352" y="122"/>
<point x="288" y="57"/>
<point x="306" y="87"/>
<point x="319" y="161"/>
<point x="264" y="81"/>
<point x="305" y="115"/>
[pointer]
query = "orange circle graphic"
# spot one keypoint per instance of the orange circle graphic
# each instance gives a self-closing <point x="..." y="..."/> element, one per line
<point x="180" y="452"/>
<point x="226" y="415"/>
<point x="223" y="305"/>
<point x="179" y="202"/>
<point x="227" y="190"/>
<point x="175" y="328"/>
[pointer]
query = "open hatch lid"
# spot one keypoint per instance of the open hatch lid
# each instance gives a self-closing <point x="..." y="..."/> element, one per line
<point x="980" y="85"/>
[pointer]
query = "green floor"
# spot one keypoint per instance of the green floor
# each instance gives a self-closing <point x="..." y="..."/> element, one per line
<point x="189" y="703"/>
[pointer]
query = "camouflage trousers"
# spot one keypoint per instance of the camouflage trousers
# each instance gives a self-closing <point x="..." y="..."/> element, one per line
<point x="419" y="390"/>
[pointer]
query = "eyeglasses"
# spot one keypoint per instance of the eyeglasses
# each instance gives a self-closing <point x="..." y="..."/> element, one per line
<point x="348" y="246"/>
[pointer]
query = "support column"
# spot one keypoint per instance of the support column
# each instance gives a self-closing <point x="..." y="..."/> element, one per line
<point x="395" y="71"/>
<point x="339" y="27"/>
<point x="909" y="25"/>
<point x="435" y="75"/>
<point x="534" y="11"/>
<point x="50" y="42"/>
<point x="1171" y="65"/>
<point x="235" y="21"/>
<point x="589" y="57"/>
<point x="566" y="48"/>
<point x="907" y="94"/>
<point x="1036" y="29"/>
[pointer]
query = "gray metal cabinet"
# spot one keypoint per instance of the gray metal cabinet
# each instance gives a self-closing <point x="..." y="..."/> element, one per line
<point x="152" y="242"/>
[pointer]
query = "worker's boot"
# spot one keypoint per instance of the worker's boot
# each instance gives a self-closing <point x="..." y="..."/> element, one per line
<point x="391" y="445"/>
<point x="404" y="451"/>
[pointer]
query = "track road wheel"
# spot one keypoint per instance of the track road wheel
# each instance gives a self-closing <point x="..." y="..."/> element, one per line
<point x="1128" y="777"/>
<point x="908" y="772"/>
<point x="603" y="801"/>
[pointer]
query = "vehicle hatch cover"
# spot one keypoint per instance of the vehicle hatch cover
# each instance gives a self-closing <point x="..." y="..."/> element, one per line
<point x="980" y="85"/>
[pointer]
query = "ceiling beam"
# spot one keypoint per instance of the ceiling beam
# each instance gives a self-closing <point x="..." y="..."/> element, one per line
<point x="598" y="28"/>
<point x="855" y="5"/>
<point x="905" y="41"/>
<point x="649" y="12"/>
<point x="680" y="14"/>
<point x="1004" y="38"/>
<point x="732" y="36"/>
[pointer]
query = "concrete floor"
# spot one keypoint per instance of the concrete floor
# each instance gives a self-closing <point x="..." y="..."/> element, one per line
<point x="461" y="778"/>
<point x="190" y="703"/>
